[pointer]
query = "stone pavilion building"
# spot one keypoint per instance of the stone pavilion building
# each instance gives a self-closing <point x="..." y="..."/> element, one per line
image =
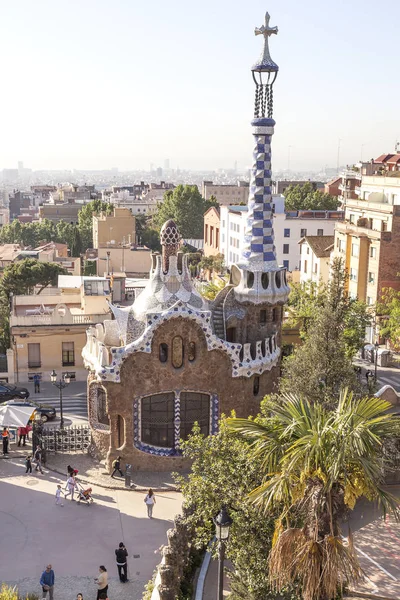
<point x="171" y="358"/>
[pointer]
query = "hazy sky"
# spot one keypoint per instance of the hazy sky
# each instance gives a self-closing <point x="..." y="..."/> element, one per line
<point x="103" y="83"/>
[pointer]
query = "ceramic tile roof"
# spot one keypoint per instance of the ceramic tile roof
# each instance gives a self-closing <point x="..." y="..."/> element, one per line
<point x="321" y="245"/>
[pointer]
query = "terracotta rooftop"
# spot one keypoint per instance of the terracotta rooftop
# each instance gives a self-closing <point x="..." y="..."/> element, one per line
<point x="321" y="245"/>
<point x="383" y="158"/>
<point x="394" y="159"/>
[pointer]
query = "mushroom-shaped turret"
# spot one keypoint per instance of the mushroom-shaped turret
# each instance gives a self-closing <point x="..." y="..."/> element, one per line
<point x="170" y="240"/>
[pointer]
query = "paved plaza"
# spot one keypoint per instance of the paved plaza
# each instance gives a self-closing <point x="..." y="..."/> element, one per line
<point x="76" y="539"/>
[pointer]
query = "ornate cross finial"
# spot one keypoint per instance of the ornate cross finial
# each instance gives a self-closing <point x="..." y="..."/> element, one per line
<point x="265" y="62"/>
<point x="266" y="30"/>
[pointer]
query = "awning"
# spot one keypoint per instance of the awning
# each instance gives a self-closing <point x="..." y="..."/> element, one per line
<point x="15" y="416"/>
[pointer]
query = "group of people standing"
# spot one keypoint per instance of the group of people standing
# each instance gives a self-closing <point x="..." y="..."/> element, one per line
<point x="47" y="580"/>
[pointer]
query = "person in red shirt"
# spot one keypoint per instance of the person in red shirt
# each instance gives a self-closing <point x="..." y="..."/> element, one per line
<point x="22" y="435"/>
<point x="5" y="436"/>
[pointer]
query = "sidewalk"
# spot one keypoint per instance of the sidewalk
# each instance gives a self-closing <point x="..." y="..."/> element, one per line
<point x="211" y="583"/>
<point x="92" y="472"/>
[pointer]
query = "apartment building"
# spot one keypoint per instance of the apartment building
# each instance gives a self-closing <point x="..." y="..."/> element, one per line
<point x="368" y="240"/>
<point x="118" y="228"/>
<point x="48" y="331"/>
<point x="289" y="228"/>
<point x="315" y="252"/>
<point x="226" y="194"/>
<point x="212" y="225"/>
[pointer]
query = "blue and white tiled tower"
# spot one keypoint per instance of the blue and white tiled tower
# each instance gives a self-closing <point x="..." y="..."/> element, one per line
<point x="261" y="280"/>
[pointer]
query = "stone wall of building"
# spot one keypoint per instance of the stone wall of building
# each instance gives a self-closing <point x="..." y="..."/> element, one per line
<point x="143" y="374"/>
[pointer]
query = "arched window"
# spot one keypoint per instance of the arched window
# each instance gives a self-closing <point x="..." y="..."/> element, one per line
<point x="157" y="420"/>
<point x="192" y="351"/>
<point x="163" y="353"/>
<point x="278" y="279"/>
<point x="177" y="352"/>
<point x="102" y="415"/>
<point x="250" y="279"/>
<point x="120" y="431"/>
<point x="256" y="385"/>
<point x="263" y="316"/>
<point x="265" y="280"/>
<point x="195" y="408"/>
<point x="275" y="315"/>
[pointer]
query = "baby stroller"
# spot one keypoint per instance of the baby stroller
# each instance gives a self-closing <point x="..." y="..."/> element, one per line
<point x="85" y="495"/>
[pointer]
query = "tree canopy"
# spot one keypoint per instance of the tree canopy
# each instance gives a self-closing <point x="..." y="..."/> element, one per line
<point x="22" y="276"/>
<point x="222" y="474"/>
<point x="334" y="331"/>
<point x="388" y="308"/>
<point x="306" y="197"/>
<point x="186" y="207"/>
<point x="315" y="464"/>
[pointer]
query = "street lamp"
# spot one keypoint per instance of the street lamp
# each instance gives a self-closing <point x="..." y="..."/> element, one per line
<point x="60" y="384"/>
<point x="222" y="524"/>
<point x="376" y="360"/>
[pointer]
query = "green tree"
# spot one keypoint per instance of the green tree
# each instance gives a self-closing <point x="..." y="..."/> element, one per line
<point x="85" y="220"/>
<point x="307" y="197"/>
<point x="222" y="474"/>
<point x="322" y="364"/>
<point x="186" y="207"/>
<point x="22" y="276"/>
<point x="304" y="303"/>
<point x="388" y="308"/>
<point x="315" y="464"/>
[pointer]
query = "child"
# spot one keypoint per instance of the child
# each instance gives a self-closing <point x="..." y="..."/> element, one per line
<point x="58" y="496"/>
<point x="28" y="463"/>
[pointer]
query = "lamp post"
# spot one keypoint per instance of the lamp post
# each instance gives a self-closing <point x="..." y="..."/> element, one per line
<point x="222" y="524"/>
<point x="60" y="384"/>
<point x="376" y="361"/>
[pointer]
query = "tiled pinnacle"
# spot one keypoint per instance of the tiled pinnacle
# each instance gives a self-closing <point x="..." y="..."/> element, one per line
<point x="258" y="248"/>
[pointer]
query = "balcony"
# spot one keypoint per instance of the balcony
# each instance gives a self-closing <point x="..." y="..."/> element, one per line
<point x="362" y="231"/>
<point x="348" y="174"/>
<point x="56" y="319"/>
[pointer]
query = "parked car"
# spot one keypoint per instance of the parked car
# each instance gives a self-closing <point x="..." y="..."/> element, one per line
<point x="9" y="391"/>
<point x="46" y="412"/>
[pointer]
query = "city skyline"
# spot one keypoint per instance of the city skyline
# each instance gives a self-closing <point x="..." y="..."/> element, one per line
<point x="100" y="86"/>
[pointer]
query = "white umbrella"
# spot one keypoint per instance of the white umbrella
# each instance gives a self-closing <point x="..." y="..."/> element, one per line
<point x="15" y="416"/>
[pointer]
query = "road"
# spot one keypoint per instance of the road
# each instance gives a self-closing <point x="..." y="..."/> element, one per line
<point x="74" y="538"/>
<point x="74" y="400"/>
<point x="386" y="375"/>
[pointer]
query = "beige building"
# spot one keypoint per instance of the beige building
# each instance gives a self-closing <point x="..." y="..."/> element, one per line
<point x="123" y="258"/>
<point x="48" y="331"/>
<point x="226" y="194"/>
<point x="315" y="252"/>
<point x="118" y="228"/>
<point x="369" y="238"/>
<point x="212" y="232"/>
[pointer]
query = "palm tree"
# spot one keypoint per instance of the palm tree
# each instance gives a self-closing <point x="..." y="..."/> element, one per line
<point x="316" y="463"/>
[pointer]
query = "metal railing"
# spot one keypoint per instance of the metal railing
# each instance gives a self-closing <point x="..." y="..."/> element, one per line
<point x="58" y="441"/>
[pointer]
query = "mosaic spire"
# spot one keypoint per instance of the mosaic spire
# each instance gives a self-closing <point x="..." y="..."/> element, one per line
<point x="261" y="279"/>
<point x="258" y="248"/>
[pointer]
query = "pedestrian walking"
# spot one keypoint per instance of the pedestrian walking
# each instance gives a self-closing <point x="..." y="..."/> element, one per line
<point x="72" y="471"/>
<point x="117" y="466"/>
<point x="121" y="555"/>
<point x="150" y="501"/>
<point x="102" y="581"/>
<point x="5" y="436"/>
<point x="70" y="487"/>
<point x="47" y="582"/>
<point x="22" y="436"/>
<point x="38" y="459"/>
<point x="36" y="382"/>
<point x="28" y="463"/>
<point x="79" y="596"/>
<point x="58" y="496"/>
<point x="368" y="376"/>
